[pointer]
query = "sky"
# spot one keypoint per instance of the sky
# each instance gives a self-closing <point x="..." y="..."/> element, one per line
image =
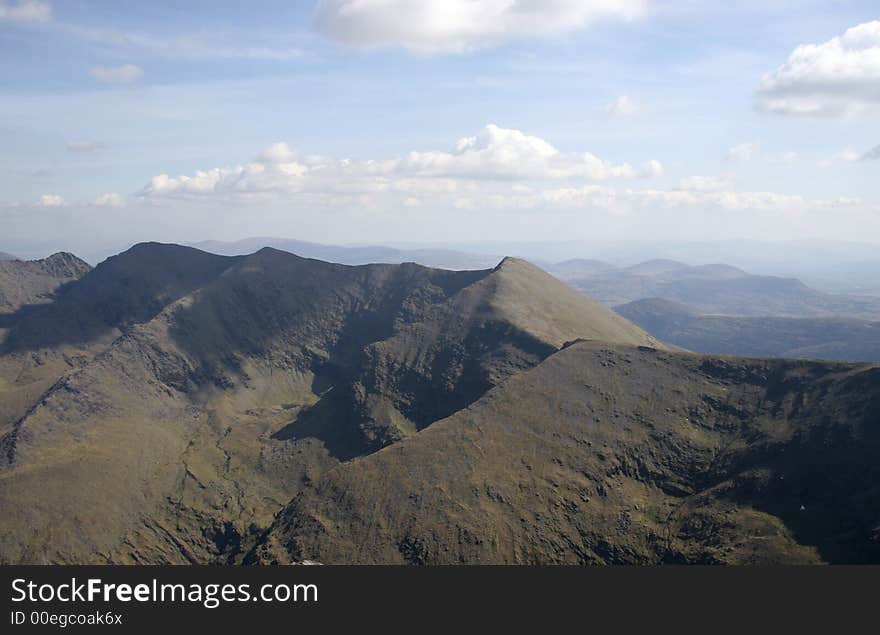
<point x="380" y="121"/>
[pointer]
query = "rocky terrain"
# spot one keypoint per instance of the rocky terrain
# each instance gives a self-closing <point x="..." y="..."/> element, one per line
<point x="167" y="404"/>
<point x="176" y="406"/>
<point x="25" y="282"/>
<point x="611" y="455"/>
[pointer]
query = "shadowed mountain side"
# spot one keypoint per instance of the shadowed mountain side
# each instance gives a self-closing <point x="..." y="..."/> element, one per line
<point x="131" y="287"/>
<point x="25" y="282"/>
<point x="201" y="422"/>
<point x="505" y="322"/>
<point x="26" y="286"/>
<point x="392" y="347"/>
<point x="805" y="338"/>
<point x="615" y="455"/>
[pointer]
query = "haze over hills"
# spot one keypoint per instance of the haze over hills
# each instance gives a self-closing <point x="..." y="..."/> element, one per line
<point x="718" y="289"/>
<point x="829" y="265"/>
<point x="355" y="255"/>
<point x="844" y="339"/>
<point x="199" y="393"/>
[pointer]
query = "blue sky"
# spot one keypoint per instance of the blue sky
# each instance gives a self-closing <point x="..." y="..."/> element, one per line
<point x="453" y="120"/>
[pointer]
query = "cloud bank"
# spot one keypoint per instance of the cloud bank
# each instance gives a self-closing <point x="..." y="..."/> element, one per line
<point x="457" y="26"/>
<point x="494" y="155"/>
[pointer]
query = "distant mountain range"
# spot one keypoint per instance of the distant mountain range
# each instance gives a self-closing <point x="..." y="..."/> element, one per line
<point x="270" y="408"/>
<point x="716" y="289"/>
<point x="806" y="338"/>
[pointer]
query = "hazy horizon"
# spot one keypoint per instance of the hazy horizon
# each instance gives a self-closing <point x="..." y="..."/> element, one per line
<point x="369" y="122"/>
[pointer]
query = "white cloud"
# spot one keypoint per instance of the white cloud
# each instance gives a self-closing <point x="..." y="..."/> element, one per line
<point x="872" y="155"/>
<point x="840" y="77"/>
<point x="696" y="193"/>
<point x="117" y="74"/>
<point x="25" y="11"/>
<point x="501" y="153"/>
<point x="844" y="156"/>
<point x="83" y="146"/>
<point x="455" y="26"/>
<point x="706" y="183"/>
<point x="111" y="199"/>
<point x="623" y="106"/>
<point x="743" y="152"/>
<point x="50" y="200"/>
<point x="495" y="155"/>
<point x="850" y="156"/>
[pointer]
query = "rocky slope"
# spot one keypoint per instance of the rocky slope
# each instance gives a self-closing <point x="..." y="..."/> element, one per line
<point x="207" y="391"/>
<point x="609" y="454"/>
<point x="24" y="282"/>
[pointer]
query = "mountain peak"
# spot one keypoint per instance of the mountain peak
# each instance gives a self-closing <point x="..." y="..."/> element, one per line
<point x="547" y="308"/>
<point x="512" y="263"/>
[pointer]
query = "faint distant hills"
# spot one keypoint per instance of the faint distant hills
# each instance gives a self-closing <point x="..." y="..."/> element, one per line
<point x="804" y="338"/>
<point x="354" y="255"/>
<point x="828" y="265"/>
<point x="713" y="289"/>
<point x="5" y="256"/>
<point x="720" y="309"/>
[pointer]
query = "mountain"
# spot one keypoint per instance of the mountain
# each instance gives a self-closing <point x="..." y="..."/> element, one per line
<point x="609" y="455"/>
<point x="5" y="256"/>
<point x="806" y="338"/>
<point x="578" y="268"/>
<point x="354" y="255"/>
<point x="34" y="281"/>
<point x="719" y="289"/>
<point x="167" y="404"/>
<point x="176" y="406"/>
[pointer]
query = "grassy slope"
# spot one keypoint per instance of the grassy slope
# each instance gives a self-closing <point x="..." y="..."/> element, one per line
<point x="229" y="384"/>
<point x="616" y="455"/>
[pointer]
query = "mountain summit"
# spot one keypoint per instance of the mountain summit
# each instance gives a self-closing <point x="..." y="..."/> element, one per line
<point x="198" y="393"/>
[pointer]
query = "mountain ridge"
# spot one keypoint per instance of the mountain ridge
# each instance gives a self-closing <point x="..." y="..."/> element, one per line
<point x="623" y="474"/>
<point x="227" y="384"/>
